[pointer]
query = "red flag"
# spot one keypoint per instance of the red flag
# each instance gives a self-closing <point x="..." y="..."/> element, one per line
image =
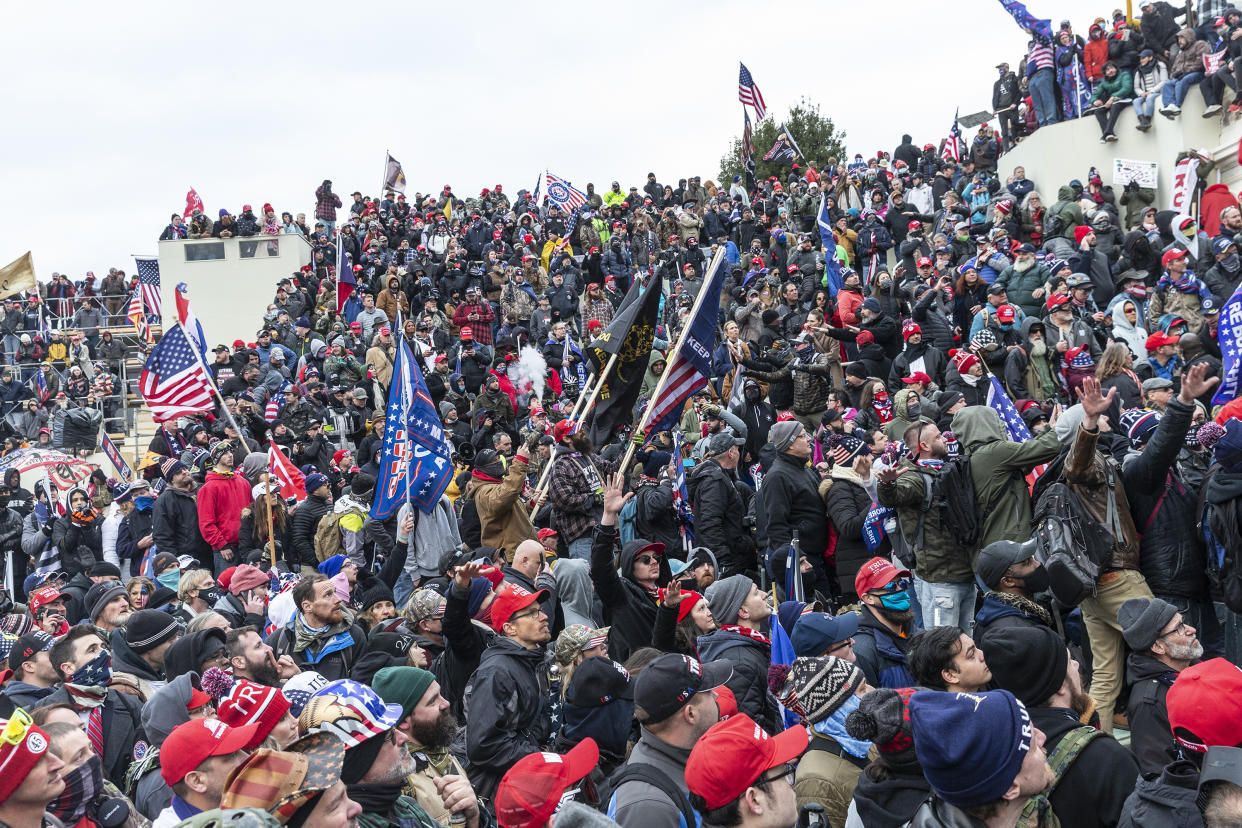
<point x="191" y="201"/>
<point x="290" y="478"/>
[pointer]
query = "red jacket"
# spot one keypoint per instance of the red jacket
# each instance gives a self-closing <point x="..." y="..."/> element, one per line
<point x="220" y="504"/>
<point x="1215" y="199"/>
<point x="1095" y="55"/>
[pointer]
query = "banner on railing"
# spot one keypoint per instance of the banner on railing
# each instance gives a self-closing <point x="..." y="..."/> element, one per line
<point x="114" y="454"/>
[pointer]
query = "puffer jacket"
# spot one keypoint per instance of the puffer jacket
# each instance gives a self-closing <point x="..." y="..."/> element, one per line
<point x="718" y="512"/>
<point x="1091" y="477"/>
<point x="1020" y="284"/>
<point x="939" y="559"/>
<point x="302" y="526"/>
<point x="1171" y="553"/>
<point x="998" y="469"/>
<point x="750" y="660"/>
<point x="629" y="609"/>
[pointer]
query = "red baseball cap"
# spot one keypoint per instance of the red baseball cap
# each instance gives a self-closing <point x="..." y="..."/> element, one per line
<point x="917" y="376"/>
<point x="1170" y="255"/>
<point x="876" y="574"/>
<point x="43" y="596"/>
<point x="1159" y="339"/>
<point x="1056" y="300"/>
<point x="512" y="599"/>
<point x="194" y="742"/>
<point x="1205" y="706"/>
<point x="1006" y="313"/>
<point x="563" y="429"/>
<point x="546" y="533"/>
<point x="531" y="791"/>
<point x="924" y="262"/>
<point x="732" y="755"/>
<point x="466" y="333"/>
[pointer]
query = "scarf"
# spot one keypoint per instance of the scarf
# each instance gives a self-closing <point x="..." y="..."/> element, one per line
<point x="930" y="463"/>
<point x="82" y="786"/>
<point x="834" y="727"/>
<point x="883" y="408"/>
<point x="90" y="681"/>
<point x="1188" y="283"/>
<point x="754" y="635"/>
<point x="1023" y="605"/>
<point x="331" y="638"/>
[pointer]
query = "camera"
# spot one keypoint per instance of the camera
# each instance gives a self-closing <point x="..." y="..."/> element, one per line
<point x="109" y="812"/>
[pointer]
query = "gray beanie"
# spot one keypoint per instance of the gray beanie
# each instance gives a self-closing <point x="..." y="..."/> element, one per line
<point x="724" y="598"/>
<point x="783" y="434"/>
<point x="1142" y="620"/>
<point x="445" y="408"/>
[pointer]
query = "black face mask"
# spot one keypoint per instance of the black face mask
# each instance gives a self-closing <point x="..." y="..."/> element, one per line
<point x="914" y="410"/>
<point x="1036" y="581"/>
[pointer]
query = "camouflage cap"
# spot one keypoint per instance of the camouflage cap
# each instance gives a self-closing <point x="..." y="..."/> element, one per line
<point x="577" y="638"/>
<point x="424" y="604"/>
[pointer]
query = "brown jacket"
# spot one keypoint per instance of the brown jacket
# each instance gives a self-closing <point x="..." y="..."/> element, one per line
<point x="827" y="779"/>
<point x="1090" y="477"/>
<point x="392" y="298"/>
<point x="504" y="519"/>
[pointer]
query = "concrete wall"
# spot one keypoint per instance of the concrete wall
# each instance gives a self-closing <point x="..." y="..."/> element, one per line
<point x="229" y="293"/>
<point x="1055" y="155"/>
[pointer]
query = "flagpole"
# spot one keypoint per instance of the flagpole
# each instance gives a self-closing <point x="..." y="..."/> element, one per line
<point x="211" y="382"/>
<point x="271" y="532"/>
<point x="698" y="301"/>
<point x="383" y="176"/>
<point x="612" y="360"/>
<point x="573" y="416"/>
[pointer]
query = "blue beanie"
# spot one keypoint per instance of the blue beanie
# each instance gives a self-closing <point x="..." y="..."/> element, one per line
<point x="480" y="588"/>
<point x="971" y="745"/>
<point x="314" y="481"/>
<point x="332" y="566"/>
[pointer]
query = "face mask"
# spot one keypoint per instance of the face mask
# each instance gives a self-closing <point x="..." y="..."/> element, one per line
<point x="834" y="726"/>
<point x="210" y="595"/>
<point x="1037" y="581"/>
<point x="897" y="602"/>
<point x="1192" y="437"/>
<point x="170" y="579"/>
<point x="1230" y="262"/>
<point x="1137" y="291"/>
<point x="82" y="786"/>
<point x="1006" y="326"/>
<point x="914" y="410"/>
<point x="1189" y="232"/>
<point x="95" y="673"/>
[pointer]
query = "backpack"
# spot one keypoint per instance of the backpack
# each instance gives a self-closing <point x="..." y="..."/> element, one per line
<point x="657" y="779"/>
<point x="1054" y="221"/>
<point x="954" y="494"/>
<point x="328" y="534"/>
<point x="1074" y="547"/>
<point x="1067" y="750"/>
<point x="1222" y="565"/>
<point x="627" y="521"/>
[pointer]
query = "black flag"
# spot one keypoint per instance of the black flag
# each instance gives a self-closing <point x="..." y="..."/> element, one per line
<point x="785" y="150"/>
<point x="629" y="336"/>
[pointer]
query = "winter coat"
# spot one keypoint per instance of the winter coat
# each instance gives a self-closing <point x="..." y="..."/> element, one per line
<point x="504" y="517"/>
<point x="641" y="804"/>
<point x="789" y="502"/>
<point x="1190" y="58"/>
<point x="1021" y="284"/>
<point x="654" y="516"/>
<point x="827" y="778"/>
<point x="1094" y="787"/>
<point x="939" y="559"/>
<point x="122" y="715"/>
<point x="848" y="503"/>
<point x="1165" y="800"/>
<point x="1002" y="610"/>
<point x="880" y="654"/>
<point x="934" y="363"/>
<point x="1121" y="86"/>
<point x="629" y="609"/>
<point x="505" y="704"/>
<point x="1172" y="555"/>
<point x="1151" y="738"/>
<point x="174" y="526"/>
<point x="998" y="469"/>
<point x="334" y="665"/>
<point x="718" y="512"/>
<point x="81" y="546"/>
<point x="810" y="381"/>
<point x="888" y="803"/>
<point x="750" y="660"/>
<point x="220" y="503"/>
<point x="300" y="550"/>
<point x="1091" y="477"/>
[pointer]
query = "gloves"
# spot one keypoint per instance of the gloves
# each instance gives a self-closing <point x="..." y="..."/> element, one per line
<point x="711" y="410"/>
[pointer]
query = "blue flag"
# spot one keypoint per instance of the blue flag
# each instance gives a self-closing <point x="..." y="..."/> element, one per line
<point x="415" y="463"/>
<point x="1027" y="20"/>
<point x="832" y="265"/>
<point x="1229" y="336"/>
<point x="782" y="653"/>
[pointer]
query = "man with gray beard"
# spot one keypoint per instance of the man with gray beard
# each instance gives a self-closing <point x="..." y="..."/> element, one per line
<point x="1163" y="645"/>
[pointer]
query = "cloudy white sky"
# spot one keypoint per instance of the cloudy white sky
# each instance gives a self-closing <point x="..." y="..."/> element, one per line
<point x="115" y="110"/>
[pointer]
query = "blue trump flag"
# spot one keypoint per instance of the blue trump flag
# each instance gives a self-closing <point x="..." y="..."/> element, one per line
<point x="1229" y="337"/>
<point x="782" y="653"/>
<point x="832" y="265"/>
<point x="415" y="463"/>
<point x="1026" y="20"/>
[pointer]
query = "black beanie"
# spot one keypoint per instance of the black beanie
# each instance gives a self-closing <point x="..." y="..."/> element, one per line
<point x="1029" y="662"/>
<point x="362" y="485"/>
<point x="147" y="629"/>
<point x="770" y="315"/>
<point x="856" y="369"/>
<point x="358" y="760"/>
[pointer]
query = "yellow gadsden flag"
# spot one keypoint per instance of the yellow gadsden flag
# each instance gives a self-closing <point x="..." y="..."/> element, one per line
<point x="17" y="275"/>
<point x="448" y="210"/>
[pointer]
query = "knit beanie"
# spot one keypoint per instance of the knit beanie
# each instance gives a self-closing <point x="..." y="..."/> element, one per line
<point x="169" y="467"/>
<point x="98" y="596"/>
<point x="783" y="434"/>
<point x="373" y="593"/>
<point x="814" y="688"/>
<point x="1029" y="662"/>
<point x="332" y="566"/>
<point x="654" y="461"/>
<point x="971" y="745"/>
<point x="1225" y="441"/>
<point x="247" y="577"/>
<point x="883" y="718"/>
<point x="1080" y="232"/>
<point x="405" y="686"/>
<point x="725" y="597"/>
<point x="1138" y="424"/>
<point x="1142" y="619"/>
<point x="250" y="703"/>
<point x="147" y="629"/>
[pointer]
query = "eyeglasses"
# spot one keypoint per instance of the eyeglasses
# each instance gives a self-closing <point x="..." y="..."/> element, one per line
<point x="646" y="559"/>
<point x="15" y="729"/>
<point x="1183" y="628"/>
<point x="785" y="771"/>
<point x="840" y="645"/>
<point x="525" y="614"/>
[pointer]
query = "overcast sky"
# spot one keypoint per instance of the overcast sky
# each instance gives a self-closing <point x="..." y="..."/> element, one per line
<point x="117" y="109"/>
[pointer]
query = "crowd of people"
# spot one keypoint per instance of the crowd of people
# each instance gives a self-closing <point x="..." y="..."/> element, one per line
<point x="948" y="537"/>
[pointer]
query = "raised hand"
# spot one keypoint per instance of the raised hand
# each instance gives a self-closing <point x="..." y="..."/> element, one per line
<point x="672" y="593"/>
<point x="614" y="494"/>
<point x="1093" y="402"/>
<point x="1196" y="383"/>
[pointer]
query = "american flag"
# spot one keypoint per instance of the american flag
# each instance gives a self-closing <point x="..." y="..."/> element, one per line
<point x="274" y="404"/>
<point x="138" y="317"/>
<point x="953" y="144"/>
<point x="291" y="479"/>
<point x="748" y="92"/>
<point x="1015" y="426"/>
<point x="346" y="284"/>
<point x="690" y="368"/>
<point x="174" y="381"/>
<point x="189" y="322"/>
<point x="681" y="496"/>
<point x="41" y="385"/>
<point x="149" y="280"/>
<point x="563" y="195"/>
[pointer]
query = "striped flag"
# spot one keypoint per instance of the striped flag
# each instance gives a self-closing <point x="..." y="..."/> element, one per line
<point x="563" y="195"/>
<point x="681" y="496"/>
<point x="689" y="369"/>
<point x="174" y="382"/>
<point x="138" y="317"/>
<point x="149" y="282"/>
<point x="291" y="479"/>
<point x="274" y="404"/>
<point x="346" y="284"/>
<point x="41" y="386"/>
<point x="114" y="455"/>
<point x="748" y="92"/>
<point x="1015" y="426"/>
<point x="189" y="322"/>
<point x="953" y="144"/>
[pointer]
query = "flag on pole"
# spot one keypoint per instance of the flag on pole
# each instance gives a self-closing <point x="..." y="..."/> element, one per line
<point x="394" y="176"/>
<point x="17" y="275"/>
<point x="174" y="382"/>
<point x="292" y="481"/>
<point x="114" y="455"/>
<point x="1026" y="20"/>
<point x="832" y="265"/>
<point x="189" y="322"/>
<point x="783" y="653"/>
<point x="276" y="402"/>
<point x="748" y="150"/>
<point x="784" y="151"/>
<point x="416" y="460"/>
<point x="629" y="336"/>
<point x="953" y="144"/>
<point x="346" y="284"/>
<point x="748" y="92"/>
<point x="448" y="209"/>
<point x="681" y="495"/>
<point x="192" y="202"/>
<point x="539" y="186"/>
<point x="41" y="386"/>
<point x="1015" y="427"/>
<point x="149" y="283"/>
<point x="564" y="195"/>
<point x="1229" y="337"/>
<point x="137" y="316"/>
<point x="690" y="367"/>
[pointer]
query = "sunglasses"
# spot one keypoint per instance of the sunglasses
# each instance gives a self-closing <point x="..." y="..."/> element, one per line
<point x="646" y="559"/>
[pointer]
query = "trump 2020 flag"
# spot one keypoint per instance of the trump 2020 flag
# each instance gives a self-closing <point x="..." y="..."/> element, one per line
<point x="1026" y="20"/>
<point x="346" y="284"/>
<point x="416" y="461"/>
<point x="832" y="265"/>
<point x="783" y="653"/>
<point x="1229" y="337"/>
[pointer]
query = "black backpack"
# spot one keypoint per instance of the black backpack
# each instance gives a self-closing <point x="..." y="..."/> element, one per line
<point x="1054" y="221"/>
<point x="1074" y="547"/>
<point x="954" y="494"/>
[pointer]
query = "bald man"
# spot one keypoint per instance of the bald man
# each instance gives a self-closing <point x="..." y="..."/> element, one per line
<point x="529" y="569"/>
